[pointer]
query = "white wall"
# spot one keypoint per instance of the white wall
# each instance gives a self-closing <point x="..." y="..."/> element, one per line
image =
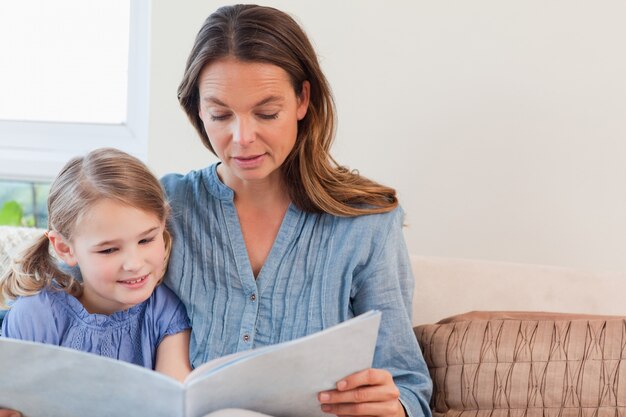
<point x="501" y="123"/>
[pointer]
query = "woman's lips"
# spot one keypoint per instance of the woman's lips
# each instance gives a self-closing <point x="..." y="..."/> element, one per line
<point x="248" y="162"/>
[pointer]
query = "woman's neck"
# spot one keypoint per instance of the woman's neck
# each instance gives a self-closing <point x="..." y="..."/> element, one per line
<point x="267" y="193"/>
<point x="261" y="206"/>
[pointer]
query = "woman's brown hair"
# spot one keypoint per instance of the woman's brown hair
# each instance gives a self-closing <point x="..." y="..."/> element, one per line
<point x="101" y="174"/>
<point x="251" y="33"/>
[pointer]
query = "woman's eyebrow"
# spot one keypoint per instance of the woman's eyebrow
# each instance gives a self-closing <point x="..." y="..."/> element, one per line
<point x="214" y="100"/>
<point x="269" y="100"/>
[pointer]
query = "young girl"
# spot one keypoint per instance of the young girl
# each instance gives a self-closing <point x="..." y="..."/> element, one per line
<point x="107" y="216"/>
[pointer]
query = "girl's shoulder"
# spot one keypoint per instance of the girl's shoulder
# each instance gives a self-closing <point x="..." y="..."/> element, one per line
<point x="163" y="297"/>
<point x="40" y="302"/>
<point x="165" y="312"/>
<point x="32" y="315"/>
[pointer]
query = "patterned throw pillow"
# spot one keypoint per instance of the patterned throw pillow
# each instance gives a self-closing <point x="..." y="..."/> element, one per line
<point x="497" y="364"/>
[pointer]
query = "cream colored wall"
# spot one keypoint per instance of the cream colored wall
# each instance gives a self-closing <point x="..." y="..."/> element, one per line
<point x="501" y="123"/>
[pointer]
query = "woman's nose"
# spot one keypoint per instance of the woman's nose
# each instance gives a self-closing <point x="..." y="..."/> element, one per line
<point x="243" y="131"/>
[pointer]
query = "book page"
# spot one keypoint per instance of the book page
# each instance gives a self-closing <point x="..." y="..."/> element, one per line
<point x="45" y="380"/>
<point x="284" y="379"/>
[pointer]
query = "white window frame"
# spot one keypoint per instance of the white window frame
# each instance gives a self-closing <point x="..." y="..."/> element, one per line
<point x="36" y="151"/>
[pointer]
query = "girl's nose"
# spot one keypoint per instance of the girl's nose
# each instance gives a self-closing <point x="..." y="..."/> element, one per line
<point x="132" y="262"/>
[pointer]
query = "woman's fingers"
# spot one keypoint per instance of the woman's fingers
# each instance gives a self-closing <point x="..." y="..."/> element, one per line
<point x="371" y="392"/>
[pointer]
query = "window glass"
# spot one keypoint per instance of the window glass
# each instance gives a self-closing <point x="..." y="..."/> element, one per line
<point x="24" y="203"/>
<point x="64" y="60"/>
<point x="74" y="76"/>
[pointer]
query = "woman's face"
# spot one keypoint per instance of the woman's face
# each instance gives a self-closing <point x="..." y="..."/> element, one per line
<point x="250" y="112"/>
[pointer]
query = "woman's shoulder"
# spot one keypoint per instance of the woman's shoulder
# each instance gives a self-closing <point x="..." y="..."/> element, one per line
<point x="175" y="181"/>
<point x="375" y="222"/>
<point x="195" y="184"/>
<point x="360" y="233"/>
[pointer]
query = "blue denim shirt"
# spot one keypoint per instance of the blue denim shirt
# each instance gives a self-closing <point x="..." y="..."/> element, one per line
<point x="321" y="270"/>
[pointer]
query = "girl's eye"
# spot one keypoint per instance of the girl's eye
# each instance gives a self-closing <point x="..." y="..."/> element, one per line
<point x="269" y="116"/>
<point x="146" y="241"/>
<point x="107" y="251"/>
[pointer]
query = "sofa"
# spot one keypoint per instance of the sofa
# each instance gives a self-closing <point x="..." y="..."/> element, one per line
<point x="506" y="340"/>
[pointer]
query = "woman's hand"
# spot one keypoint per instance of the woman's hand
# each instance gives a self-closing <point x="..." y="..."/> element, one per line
<point x="9" y="413"/>
<point x="371" y="392"/>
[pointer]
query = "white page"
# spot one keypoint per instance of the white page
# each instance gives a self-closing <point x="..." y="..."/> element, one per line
<point x="284" y="379"/>
<point x="45" y="380"/>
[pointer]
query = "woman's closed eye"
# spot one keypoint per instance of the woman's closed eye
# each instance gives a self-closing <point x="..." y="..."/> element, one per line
<point x="219" y="117"/>
<point x="266" y="116"/>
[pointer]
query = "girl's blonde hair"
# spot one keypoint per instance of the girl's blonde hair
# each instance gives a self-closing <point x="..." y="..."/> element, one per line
<point x="101" y="174"/>
<point x="315" y="182"/>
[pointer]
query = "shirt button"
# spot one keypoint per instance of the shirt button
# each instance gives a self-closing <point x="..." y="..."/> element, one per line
<point x="253" y="297"/>
<point x="246" y="337"/>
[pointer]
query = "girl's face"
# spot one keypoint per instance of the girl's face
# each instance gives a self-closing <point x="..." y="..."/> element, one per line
<point x="250" y="112"/>
<point x="120" y="251"/>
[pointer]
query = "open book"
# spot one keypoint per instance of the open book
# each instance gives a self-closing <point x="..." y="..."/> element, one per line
<point x="280" y="380"/>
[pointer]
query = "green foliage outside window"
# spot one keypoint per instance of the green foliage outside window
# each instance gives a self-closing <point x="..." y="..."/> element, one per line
<point x="12" y="214"/>
<point x="23" y="203"/>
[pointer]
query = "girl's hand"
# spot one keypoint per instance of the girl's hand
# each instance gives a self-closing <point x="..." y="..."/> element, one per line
<point x="371" y="392"/>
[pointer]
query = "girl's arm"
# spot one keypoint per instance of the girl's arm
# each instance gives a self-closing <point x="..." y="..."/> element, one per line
<point x="172" y="356"/>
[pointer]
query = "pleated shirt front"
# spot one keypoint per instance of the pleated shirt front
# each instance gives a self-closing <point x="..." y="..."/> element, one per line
<point x="321" y="270"/>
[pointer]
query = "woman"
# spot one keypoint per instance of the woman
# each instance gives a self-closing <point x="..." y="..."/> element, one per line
<point x="276" y="241"/>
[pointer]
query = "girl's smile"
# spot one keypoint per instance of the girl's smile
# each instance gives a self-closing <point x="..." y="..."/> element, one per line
<point x="120" y="252"/>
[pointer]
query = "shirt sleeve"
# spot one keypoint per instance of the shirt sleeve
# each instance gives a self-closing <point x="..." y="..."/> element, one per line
<point x="31" y="318"/>
<point x="169" y="312"/>
<point x="386" y="283"/>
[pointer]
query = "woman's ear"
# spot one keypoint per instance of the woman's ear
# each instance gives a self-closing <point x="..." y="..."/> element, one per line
<point x="62" y="248"/>
<point x="303" y="100"/>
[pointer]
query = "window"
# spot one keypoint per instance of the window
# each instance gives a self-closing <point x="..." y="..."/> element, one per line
<point x="28" y="200"/>
<point x="74" y="78"/>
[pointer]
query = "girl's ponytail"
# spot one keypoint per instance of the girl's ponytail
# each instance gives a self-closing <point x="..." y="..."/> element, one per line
<point x="34" y="271"/>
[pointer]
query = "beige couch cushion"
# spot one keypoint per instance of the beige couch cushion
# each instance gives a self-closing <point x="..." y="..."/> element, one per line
<point x="521" y="364"/>
<point x="13" y="240"/>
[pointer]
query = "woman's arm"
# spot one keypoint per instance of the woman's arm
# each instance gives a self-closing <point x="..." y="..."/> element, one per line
<point x="172" y="356"/>
<point x="399" y="382"/>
